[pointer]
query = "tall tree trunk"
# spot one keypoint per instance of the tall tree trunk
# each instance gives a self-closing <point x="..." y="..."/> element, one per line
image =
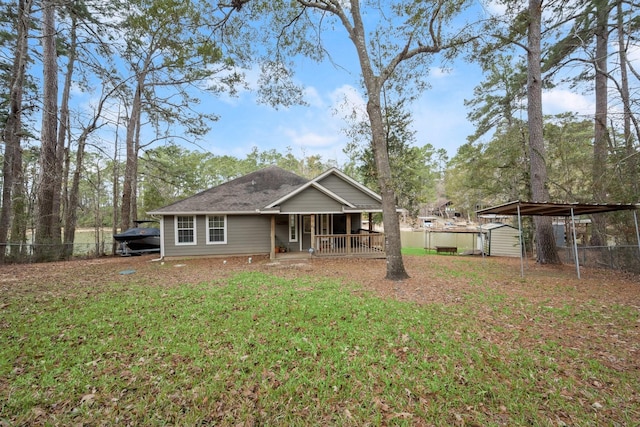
<point x="47" y="242"/>
<point x="69" y="228"/>
<point x="115" y="190"/>
<point x="99" y="234"/>
<point x="395" y="265"/>
<point x="134" y="182"/>
<point x="631" y="169"/>
<point x="130" y="171"/>
<point x="12" y="161"/>
<point x="546" y="250"/>
<point x="601" y="135"/>
<point x="18" y="240"/>
<point x="71" y="217"/>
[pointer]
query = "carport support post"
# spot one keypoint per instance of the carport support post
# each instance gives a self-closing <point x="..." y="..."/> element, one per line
<point x="635" y="220"/>
<point x="520" y="238"/>
<point x="575" y="243"/>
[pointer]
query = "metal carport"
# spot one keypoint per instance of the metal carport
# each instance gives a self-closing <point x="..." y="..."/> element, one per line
<point x="520" y="208"/>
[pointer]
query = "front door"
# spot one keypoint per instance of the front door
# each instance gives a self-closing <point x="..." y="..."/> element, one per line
<point x="306" y="232"/>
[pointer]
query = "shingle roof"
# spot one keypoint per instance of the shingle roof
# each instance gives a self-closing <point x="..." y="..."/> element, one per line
<point x="247" y="193"/>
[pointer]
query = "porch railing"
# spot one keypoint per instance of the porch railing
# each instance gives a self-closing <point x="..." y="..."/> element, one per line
<point x="363" y="244"/>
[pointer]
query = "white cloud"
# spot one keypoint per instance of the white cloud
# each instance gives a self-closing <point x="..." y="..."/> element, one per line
<point x="310" y="138"/>
<point x="347" y="102"/>
<point x="318" y="128"/>
<point x="313" y="98"/>
<point x="439" y="72"/>
<point x="495" y="8"/>
<point x="346" y="93"/>
<point x="561" y="100"/>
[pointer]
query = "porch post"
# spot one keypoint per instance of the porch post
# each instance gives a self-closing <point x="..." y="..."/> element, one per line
<point x="272" y="251"/>
<point x="313" y="232"/>
<point x="348" y="243"/>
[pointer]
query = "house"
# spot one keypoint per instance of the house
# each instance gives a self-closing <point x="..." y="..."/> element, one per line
<point x="428" y="221"/>
<point x="271" y="211"/>
<point x="443" y="208"/>
<point x="501" y="240"/>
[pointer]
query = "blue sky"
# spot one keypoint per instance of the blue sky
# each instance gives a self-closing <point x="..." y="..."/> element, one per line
<point x="440" y="117"/>
<point x="318" y="128"/>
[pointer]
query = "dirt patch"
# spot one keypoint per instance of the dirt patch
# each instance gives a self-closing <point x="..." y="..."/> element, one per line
<point x="433" y="279"/>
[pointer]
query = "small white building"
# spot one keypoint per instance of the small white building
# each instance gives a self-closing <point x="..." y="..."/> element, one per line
<point x="500" y="240"/>
<point x="428" y="221"/>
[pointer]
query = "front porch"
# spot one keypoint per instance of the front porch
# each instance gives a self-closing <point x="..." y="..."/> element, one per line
<point x="324" y="235"/>
<point x="366" y="243"/>
<point x="336" y="245"/>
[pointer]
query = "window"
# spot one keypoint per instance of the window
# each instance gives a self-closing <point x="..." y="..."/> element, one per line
<point x="293" y="228"/>
<point x="185" y="230"/>
<point x="217" y="229"/>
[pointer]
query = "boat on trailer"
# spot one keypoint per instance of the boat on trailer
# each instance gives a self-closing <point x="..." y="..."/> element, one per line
<point x="139" y="240"/>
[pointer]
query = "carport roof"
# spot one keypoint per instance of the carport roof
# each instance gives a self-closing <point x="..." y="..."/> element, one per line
<point x="553" y="209"/>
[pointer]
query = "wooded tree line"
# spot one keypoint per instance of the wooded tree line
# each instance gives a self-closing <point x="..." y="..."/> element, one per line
<point x="517" y="154"/>
<point x="100" y="104"/>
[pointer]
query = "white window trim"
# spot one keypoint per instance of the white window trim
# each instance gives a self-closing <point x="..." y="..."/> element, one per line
<point x="296" y="228"/>
<point x="195" y="234"/>
<point x="224" y="242"/>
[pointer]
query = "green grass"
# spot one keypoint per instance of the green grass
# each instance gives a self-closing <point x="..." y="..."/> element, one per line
<point x="417" y="251"/>
<point x="258" y="349"/>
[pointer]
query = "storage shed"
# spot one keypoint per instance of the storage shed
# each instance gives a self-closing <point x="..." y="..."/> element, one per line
<point x="501" y="240"/>
<point x="559" y="209"/>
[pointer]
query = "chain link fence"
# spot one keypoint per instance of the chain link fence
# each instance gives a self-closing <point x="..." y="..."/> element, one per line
<point x="626" y="258"/>
<point x="25" y="253"/>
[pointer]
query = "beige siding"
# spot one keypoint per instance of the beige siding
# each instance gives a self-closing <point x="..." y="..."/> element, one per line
<point x="311" y="200"/>
<point x="348" y="191"/>
<point x="167" y="230"/>
<point x="246" y="234"/>
<point x="503" y="241"/>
